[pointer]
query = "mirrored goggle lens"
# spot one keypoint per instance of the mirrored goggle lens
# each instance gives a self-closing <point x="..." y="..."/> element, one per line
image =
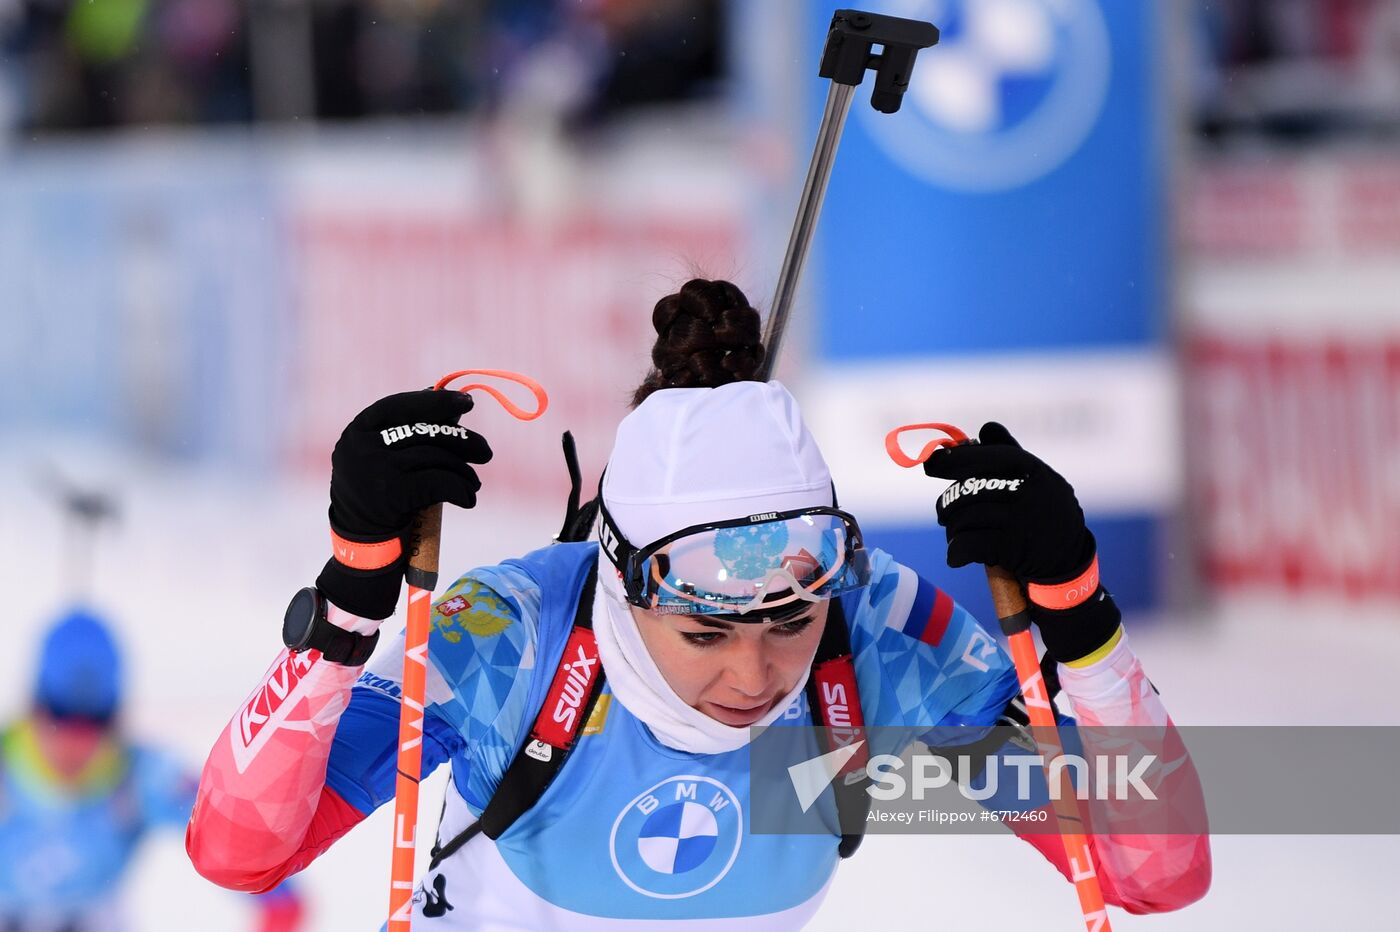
<point x="765" y="565"/>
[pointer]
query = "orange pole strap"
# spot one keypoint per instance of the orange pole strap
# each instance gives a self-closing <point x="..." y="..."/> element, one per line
<point x="541" y="399"/>
<point x="896" y="452"/>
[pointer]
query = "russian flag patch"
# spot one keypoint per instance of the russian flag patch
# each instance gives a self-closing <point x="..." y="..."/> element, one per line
<point x="929" y="616"/>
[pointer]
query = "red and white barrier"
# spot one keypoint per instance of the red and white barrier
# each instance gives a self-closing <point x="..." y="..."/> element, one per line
<point x="1291" y="318"/>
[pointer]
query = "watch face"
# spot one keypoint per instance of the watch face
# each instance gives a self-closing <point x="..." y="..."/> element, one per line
<point x="300" y="619"/>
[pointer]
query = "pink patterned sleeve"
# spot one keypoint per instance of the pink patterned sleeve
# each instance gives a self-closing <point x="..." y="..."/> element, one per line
<point x="1141" y="872"/>
<point x="263" y="812"/>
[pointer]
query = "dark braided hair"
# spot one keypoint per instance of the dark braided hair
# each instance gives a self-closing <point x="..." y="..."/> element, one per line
<point x="707" y="335"/>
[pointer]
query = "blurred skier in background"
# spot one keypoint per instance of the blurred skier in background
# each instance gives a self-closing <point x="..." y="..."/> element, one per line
<point x="77" y="796"/>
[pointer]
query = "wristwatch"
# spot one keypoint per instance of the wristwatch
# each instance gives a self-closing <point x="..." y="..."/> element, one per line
<point x="305" y="627"/>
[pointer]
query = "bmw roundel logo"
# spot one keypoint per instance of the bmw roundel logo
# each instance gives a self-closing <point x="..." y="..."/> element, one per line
<point x="1010" y="92"/>
<point x="678" y="838"/>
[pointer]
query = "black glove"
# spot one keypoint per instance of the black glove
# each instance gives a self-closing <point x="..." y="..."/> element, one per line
<point x="1009" y="509"/>
<point x="398" y="456"/>
<point x="1006" y="508"/>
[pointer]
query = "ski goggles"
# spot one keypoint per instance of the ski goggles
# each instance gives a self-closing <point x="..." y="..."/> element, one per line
<point x="760" y="563"/>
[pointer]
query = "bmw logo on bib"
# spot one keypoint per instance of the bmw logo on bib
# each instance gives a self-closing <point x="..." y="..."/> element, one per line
<point x="678" y="838"/>
<point x="1011" y="91"/>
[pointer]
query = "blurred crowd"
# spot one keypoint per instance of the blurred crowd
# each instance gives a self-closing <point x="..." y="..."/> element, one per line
<point x="87" y="64"/>
<point x="1280" y="69"/>
<point x="1297" y="70"/>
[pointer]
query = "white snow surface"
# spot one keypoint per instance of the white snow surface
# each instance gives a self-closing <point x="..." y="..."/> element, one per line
<point x="198" y="572"/>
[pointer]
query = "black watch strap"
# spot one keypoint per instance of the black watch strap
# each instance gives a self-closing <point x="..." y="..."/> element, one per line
<point x="340" y="646"/>
<point x="335" y="644"/>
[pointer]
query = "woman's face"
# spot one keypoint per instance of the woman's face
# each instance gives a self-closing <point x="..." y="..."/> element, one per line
<point x="733" y="672"/>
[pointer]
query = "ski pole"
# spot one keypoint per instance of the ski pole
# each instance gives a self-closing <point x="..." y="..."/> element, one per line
<point x="1013" y="612"/>
<point x="424" y="543"/>
<point x="845" y="59"/>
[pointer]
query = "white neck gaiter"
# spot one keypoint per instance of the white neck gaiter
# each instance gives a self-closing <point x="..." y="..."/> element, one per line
<point x="638" y="684"/>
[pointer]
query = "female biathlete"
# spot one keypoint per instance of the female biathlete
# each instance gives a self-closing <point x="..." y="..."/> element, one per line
<point x="598" y="696"/>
